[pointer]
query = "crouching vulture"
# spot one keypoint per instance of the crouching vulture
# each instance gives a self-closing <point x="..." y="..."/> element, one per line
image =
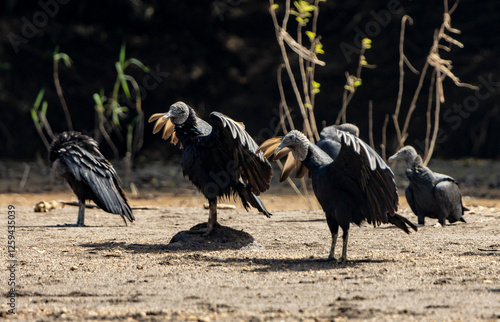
<point x="430" y="194"/>
<point x="219" y="158"/>
<point x="354" y="186"/>
<point x="76" y="158"/>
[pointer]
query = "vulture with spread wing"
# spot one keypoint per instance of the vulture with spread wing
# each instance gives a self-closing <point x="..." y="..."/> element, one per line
<point x="353" y="186"/>
<point x="76" y="158"/>
<point x="430" y="194"/>
<point x="219" y="158"/>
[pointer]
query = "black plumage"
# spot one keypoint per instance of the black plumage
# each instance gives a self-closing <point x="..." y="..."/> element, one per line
<point x="76" y="158"/>
<point x="355" y="186"/>
<point x="430" y="194"/>
<point x="219" y="158"/>
<point x="330" y="141"/>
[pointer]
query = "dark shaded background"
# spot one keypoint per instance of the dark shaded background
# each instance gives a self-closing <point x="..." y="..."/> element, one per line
<point x="222" y="55"/>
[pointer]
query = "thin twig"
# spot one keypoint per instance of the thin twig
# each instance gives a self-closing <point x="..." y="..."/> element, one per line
<point x="436" y="121"/>
<point x="428" y="113"/>
<point x="402" y="57"/>
<point x="370" y="123"/>
<point x="383" y="146"/>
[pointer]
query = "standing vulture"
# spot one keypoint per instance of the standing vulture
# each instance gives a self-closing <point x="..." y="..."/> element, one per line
<point x="219" y="158"/>
<point x="76" y="158"/>
<point x="430" y="194"/>
<point x="355" y="186"/>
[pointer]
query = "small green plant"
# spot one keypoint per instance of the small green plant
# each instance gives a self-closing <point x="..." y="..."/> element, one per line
<point x="110" y="112"/>
<point x="39" y="116"/>
<point x="354" y="81"/>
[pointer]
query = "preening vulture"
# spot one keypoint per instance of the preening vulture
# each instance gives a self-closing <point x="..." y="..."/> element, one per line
<point x="430" y="194"/>
<point x="76" y="158"/>
<point x="355" y="186"/>
<point x="219" y="158"/>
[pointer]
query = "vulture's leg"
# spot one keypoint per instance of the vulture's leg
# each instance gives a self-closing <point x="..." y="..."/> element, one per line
<point x="421" y="220"/>
<point x="212" y="220"/>
<point x="212" y="216"/>
<point x="441" y="222"/>
<point x="334" y="230"/>
<point x="81" y="216"/>
<point x="331" y="257"/>
<point x="345" y="237"/>
<point x="81" y="213"/>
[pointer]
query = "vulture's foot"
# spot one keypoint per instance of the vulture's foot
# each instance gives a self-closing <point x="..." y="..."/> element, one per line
<point x="420" y="225"/>
<point x="341" y="260"/>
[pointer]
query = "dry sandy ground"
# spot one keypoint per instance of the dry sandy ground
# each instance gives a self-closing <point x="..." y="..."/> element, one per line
<point x="259" y="270"/>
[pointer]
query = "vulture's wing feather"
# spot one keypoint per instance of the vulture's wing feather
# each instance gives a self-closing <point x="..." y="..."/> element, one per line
<point x="90" y="167"/>
<point x="366" y="175"/>
<point x="229" y="138"/>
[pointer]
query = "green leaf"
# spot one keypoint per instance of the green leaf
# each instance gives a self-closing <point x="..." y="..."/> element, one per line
<point x="349" y="88"/>
<point x="39" y="98"/>
<point x="121" y="58"/>
<point x="98" y="102"/>
<point x="34" y="116"/>
<point x="366" y="43"/>
<point x="65" y="58"/>
<point x="311" y="35"/>
<point x="45" y="105"/>
<point x="123" y="80"/>
<point x="316" y="84"/>
<point x="139" y="64"/>
<point x="318" y="49"/>
<point x="274" y="6"/>
<point x="303" y="7"/>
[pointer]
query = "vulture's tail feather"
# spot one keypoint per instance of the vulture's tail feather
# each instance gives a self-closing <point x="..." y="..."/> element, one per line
<point x="402" y="223"/>
<point x="247" y="197"/>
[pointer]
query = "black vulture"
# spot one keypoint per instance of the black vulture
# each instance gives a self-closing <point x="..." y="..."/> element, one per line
<point x="219" y="158"/>
<point x="430" y="194"/>
<point x="76" y="158"/>
<point x="355" y="186"/>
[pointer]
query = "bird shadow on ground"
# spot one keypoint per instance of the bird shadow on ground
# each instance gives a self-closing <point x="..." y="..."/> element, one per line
<point x="295" y="264"/>
<point x="70" y="226"/>
<point x="221" y="238"/>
